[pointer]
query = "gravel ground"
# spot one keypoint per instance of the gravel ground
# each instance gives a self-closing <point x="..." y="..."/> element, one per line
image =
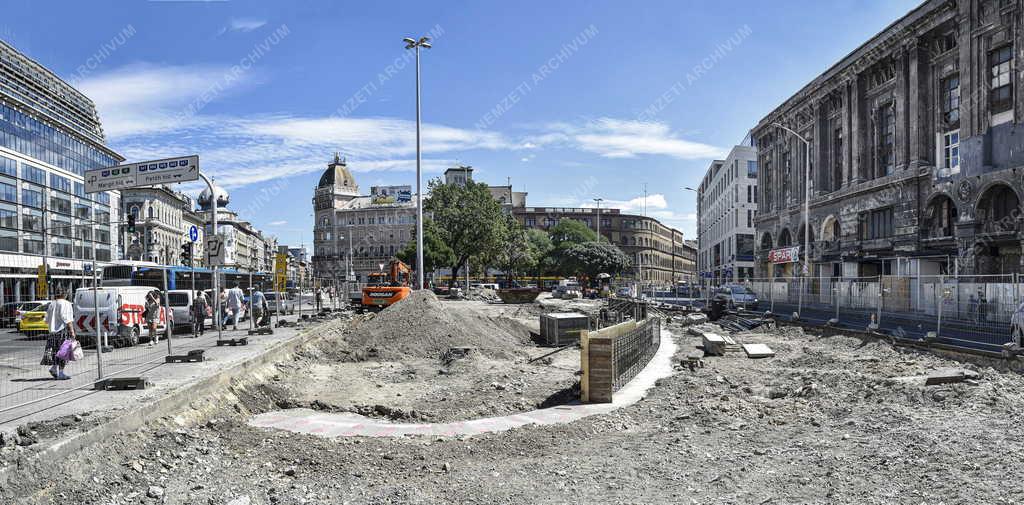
<point x="828" y="420"/>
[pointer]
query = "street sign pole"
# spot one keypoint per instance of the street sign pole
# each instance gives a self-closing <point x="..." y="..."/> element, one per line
<point x="215" y="296"/>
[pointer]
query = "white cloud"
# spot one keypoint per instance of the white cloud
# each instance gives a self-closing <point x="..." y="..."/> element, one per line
<point x="149" y="111"/>
<point x="243" y="25"/>
<point x="617" y="138"/>
<point x="145" y="99"/>
<point x="277" y="223"/>
<point x="654" y="201"/>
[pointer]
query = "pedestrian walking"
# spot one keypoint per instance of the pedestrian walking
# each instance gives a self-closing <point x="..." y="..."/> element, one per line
<point x="259" y="305"/>
<point x="59" y="316"/>
<point x="199" y="308"/>
<point x="152" y="315"/>
<point x="319" y="298"/>
<point x="234" y="299"/>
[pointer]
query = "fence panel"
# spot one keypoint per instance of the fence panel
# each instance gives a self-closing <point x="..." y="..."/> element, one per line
<point x="972" y="312"/>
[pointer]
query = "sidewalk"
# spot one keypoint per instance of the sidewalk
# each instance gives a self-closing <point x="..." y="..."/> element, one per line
<point x="80" y="399"/>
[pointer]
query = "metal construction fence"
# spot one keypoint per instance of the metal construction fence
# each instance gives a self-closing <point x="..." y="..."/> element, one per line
<point x="126" y="348"/>
<point x="972" y="312"/>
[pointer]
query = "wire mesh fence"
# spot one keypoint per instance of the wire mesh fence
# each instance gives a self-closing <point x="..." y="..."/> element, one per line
<point x="632" y="351"/>
<point x="126" y="344"/>
<point x="973" y="312"/>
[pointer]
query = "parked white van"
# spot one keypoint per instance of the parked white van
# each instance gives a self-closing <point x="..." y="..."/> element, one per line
<point x="120" y="314"/>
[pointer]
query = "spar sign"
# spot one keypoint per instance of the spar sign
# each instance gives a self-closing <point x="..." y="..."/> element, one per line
<point x="784" y="255"/>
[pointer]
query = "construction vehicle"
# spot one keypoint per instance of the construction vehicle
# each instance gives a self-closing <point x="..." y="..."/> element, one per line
<point x="386" y="287"/>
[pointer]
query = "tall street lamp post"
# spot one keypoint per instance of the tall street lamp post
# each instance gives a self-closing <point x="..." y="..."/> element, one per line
<point x="698" y="264"/>
<point x="599" y="200"/>
<point x="807" y="208"/>
<point x="416" y="45"/>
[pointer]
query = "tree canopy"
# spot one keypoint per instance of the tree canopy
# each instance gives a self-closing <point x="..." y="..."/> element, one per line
<point x="468" y="219"/>
<point x="436" y="253"/>
<point x="592" y="258"/>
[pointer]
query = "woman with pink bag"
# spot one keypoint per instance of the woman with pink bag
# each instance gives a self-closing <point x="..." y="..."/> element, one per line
<point x="61" y="344"/>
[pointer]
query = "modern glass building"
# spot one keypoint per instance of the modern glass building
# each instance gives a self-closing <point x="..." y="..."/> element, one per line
<point x="50" y="134"/>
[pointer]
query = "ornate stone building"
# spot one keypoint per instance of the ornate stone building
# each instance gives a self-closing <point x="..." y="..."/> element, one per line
<point x="916" y="156"/>
<point x="374" y="227"/>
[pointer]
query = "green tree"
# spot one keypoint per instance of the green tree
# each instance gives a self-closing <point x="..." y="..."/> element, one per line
<point x="517" y="253"/>
<point x="468" y="220"/>
<point x="569" y="232"/>
<point x="436" y="253"/>
<point x="544" y="259"/>
<point x="591" y="258"/>
<point x="564" y="235"/>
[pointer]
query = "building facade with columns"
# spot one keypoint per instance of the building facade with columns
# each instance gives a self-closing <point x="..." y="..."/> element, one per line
<point x="162" y="219"/>
<point x="916" y="161"/>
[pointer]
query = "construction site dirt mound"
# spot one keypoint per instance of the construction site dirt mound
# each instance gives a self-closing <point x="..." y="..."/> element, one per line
<point x="421" y="326"/>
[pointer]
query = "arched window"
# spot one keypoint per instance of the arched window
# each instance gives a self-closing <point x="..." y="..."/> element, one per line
<point x="785" y="239"/>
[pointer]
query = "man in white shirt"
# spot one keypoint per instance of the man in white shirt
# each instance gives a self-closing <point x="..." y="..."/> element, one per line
<point x="59" y="316"/>
<point x="234" y="302"/>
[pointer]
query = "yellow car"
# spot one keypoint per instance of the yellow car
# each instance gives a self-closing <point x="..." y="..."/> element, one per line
<point x="33" y="322"/>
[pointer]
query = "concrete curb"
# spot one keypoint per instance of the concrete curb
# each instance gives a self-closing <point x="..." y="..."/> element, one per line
<point x="173" y="401"/>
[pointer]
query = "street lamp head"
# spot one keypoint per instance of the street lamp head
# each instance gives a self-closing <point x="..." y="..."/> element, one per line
<point x="408" y="40"/>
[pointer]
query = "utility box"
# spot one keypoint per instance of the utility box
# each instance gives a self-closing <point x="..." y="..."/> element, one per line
<point x="562" y="328"/>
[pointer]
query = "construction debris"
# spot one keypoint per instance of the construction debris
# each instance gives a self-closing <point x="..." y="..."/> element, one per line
<point x="950" y="375"/>
<point x="758" y="351"/>
<point x="736" y="323"/>
<point x="714" y="344"/>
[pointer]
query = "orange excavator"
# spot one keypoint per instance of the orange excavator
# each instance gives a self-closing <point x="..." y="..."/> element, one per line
<point x="387" y="287"/>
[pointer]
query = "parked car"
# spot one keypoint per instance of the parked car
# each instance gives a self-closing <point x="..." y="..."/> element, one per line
<point x="181" y="310"/>
<point x="287" y="304"/>
<point x="33" y="321"/>
<point x="567" y="291"/>
<point x="24" y="307"/>
<point x="738" y="296"/>
<point x="7" y="313"/>
<point x="624" y="292"/>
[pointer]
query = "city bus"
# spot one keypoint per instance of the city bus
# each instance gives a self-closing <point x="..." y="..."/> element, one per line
<point x="146" y="273"/>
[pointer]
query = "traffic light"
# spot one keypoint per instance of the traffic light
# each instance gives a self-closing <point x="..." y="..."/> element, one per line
<point x="131" y="223"/>
<point x="186" y="254"/>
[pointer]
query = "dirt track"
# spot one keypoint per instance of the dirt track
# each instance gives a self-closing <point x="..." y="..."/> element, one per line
<point x="823" y="422"/>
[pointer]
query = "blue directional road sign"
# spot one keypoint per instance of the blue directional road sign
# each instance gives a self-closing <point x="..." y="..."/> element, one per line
<point x="193" y="233"/>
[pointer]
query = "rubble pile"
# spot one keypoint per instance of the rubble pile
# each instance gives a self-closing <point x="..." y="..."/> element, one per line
<point x="421" y="326"/>
<point x="836" y="420"/>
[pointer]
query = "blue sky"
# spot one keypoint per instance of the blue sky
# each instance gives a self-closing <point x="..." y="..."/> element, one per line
<point x="572" y="100"/>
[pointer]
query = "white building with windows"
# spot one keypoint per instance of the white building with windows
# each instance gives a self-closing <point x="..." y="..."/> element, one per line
<point x="50" y="134"/>
<point x="726" y="208"/>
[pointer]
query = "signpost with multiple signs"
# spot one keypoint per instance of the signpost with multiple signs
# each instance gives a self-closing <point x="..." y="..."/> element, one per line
<point x="145" y="173"/>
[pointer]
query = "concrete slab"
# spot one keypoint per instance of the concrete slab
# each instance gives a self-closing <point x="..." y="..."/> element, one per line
<point x="714" y="344"/>
<point x="758" y="351"/>
<point x="354" y="425"/>
<point x="949" y="375"/>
